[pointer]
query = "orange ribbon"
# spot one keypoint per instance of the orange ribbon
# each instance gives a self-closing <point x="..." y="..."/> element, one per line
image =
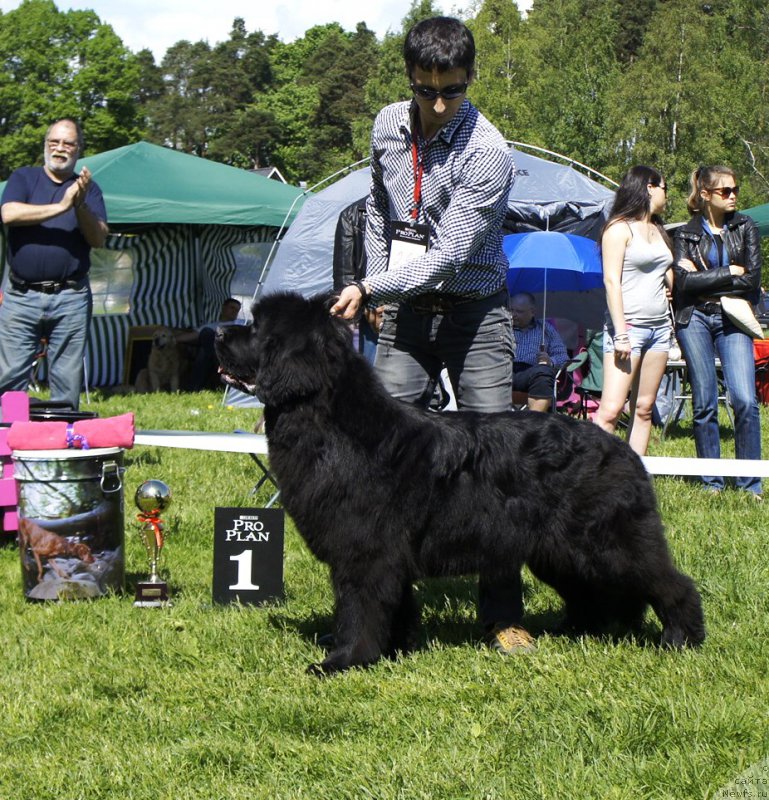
<point x="153" y="518"/>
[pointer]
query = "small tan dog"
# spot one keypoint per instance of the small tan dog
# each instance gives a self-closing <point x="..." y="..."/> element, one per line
<point x="163" y="366"/>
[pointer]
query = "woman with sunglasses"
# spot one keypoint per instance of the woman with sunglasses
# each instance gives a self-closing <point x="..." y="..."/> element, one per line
<point x="637" y="257"/>
<point x="718" y="253"/>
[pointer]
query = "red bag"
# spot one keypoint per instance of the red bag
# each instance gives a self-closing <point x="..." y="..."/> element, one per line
<point x="761" y="353"/>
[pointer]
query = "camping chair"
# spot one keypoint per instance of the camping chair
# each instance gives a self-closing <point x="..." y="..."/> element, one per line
<point x="761" y="354"/>
<point x="586" y="369"/>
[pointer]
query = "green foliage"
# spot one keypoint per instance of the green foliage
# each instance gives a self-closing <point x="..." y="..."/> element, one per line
<point x="58" y="64"/>
<point x="102" y="700"/>
<point x="501" y="67"/>
<point x="606" y="82"/>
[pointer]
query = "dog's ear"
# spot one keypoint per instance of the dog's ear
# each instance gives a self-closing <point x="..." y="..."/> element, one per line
<point x="302" y="350"/>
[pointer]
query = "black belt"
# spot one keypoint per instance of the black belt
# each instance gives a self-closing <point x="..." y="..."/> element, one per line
<point x="46" y="287"/>
<point x="434" y="303"/>
<point x="709" y="308"/>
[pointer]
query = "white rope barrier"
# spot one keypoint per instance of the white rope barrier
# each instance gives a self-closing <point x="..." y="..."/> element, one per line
<point x="257" y="443"/>
<point x="728" y="467"/>
<point x="201" y="440"/>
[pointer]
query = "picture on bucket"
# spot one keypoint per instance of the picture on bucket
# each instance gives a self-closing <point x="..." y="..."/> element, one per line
<point x="71" y="538"/>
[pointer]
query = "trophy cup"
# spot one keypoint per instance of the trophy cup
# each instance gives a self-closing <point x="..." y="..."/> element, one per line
<point x="152" y="497"/>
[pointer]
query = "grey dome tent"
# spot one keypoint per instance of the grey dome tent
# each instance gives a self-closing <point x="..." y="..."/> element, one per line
<point x="545" y="195"/>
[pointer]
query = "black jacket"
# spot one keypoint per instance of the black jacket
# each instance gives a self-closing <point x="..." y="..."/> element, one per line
<point x="743" y="244"/>
<point x="349" y="247"/>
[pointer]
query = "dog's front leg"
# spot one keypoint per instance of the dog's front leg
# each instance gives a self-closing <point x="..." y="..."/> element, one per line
<point x="363" y="618"/>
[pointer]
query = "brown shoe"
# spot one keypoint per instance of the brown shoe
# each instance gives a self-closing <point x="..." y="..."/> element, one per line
<point x="509" y="641"/>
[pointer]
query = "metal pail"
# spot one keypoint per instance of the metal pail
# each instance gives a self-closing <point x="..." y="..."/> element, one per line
<point x="71" y="537"/>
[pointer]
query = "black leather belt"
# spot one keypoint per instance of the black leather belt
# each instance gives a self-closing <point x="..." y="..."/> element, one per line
<point x="46" y="287"/>
<point x="434" y="303"/>
<point x="709" y="308"/>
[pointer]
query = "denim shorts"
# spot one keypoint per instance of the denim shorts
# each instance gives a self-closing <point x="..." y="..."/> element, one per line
<point x="642" y="339"/>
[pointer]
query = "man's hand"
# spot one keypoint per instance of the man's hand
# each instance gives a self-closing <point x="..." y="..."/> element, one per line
<point x="349" y="303"/>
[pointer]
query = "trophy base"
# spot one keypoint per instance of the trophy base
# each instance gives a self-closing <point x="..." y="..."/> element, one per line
<point x="151" y="595"/>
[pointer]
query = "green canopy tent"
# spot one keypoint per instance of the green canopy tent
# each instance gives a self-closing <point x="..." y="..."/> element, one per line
<point x="760" y="215"/>
<point x="185" y="233"/>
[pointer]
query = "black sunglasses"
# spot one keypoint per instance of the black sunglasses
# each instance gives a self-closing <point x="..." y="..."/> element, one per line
<point x="726" y="191"/>
<point x="447" y="93"/>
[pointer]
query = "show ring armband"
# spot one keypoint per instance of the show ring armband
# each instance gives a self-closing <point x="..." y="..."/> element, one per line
<point x="407" y="242"/>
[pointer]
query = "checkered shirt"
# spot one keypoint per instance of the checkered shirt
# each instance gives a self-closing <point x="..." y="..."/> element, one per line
<point x="468" y="173"/>
<point x="528" y="340"/>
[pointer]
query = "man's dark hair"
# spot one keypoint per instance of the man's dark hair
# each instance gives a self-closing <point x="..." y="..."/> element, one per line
<point x="441" y="43"/>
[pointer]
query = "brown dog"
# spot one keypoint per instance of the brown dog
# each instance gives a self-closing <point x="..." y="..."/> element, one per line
<point x="46" y="544"/>
<point x="163" y="366"/>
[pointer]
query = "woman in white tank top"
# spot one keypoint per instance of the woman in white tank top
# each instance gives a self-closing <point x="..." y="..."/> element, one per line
<point x="637" y="272"/>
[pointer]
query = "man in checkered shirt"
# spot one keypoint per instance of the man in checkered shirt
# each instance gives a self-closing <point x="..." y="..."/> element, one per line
<point x="539" y="352"/>
<point x="441" y="174"/>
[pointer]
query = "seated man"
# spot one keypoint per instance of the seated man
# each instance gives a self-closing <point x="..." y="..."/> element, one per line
<point x="203" y="374"/>
<point x="539" y="353"/>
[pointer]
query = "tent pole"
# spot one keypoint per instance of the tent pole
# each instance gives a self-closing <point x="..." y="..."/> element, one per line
<point x="564" y="158"/>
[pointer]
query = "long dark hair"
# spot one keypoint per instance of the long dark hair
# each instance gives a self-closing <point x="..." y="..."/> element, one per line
<point x="632" y="201"/>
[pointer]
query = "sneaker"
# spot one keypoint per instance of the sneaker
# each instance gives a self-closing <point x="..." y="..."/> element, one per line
<point x="511" y="640"/>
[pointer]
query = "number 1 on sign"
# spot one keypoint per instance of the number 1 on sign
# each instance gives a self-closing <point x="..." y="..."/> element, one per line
<point x="244" y="584"/>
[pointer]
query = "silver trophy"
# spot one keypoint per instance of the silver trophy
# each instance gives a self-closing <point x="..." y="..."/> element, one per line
<point x="152" y="497"/>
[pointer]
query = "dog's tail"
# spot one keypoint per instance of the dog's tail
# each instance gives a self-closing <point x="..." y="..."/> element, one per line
<point x="679" y="607"/>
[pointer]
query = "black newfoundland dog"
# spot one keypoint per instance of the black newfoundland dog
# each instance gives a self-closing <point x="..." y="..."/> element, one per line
<point x="386" y="493"/>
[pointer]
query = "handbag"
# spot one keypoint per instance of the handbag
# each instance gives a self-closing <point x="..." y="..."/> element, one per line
<point x="740" y="312"/>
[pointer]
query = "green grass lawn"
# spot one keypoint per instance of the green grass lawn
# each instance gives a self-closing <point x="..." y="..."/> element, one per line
<point x="103" y="700"/>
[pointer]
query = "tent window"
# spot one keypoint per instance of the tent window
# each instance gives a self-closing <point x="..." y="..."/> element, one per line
<point x="112" y="278"/>
<point x="250" y="258"/>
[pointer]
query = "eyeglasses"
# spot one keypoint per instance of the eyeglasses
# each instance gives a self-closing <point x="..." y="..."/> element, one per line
<point x="660" y="186"/>
<point x="447" y="93"/>
<point x="64" y="144"/>
<point x="726" y="191"/>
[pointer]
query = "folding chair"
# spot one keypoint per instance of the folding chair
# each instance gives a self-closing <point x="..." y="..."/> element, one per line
<point x="586" y="371"/>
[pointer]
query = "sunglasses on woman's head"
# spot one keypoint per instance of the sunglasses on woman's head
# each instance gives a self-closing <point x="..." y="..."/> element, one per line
<point x="448" y="93"/>
<point x="726" y="191"/>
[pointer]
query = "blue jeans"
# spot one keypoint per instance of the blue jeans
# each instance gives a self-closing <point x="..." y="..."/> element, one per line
<point x="705" y="337"/>
<point x="63" y="319"/>
<point x="474" y="341"/>
<point x="367" y="339"/>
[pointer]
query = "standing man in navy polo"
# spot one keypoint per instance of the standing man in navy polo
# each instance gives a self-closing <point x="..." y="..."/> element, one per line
<point x="441" y="174"/>
<point x="54" y="218"/>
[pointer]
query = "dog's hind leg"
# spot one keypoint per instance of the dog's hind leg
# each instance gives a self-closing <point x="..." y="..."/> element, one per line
<point x="677" y="603"/>
<point x="405" y="624"/>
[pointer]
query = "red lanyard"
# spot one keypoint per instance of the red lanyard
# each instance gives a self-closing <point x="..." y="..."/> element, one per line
<point x="419" y="170"/>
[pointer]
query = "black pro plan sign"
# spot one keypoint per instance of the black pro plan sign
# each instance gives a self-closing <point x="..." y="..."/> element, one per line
<point x="248" y="555"/>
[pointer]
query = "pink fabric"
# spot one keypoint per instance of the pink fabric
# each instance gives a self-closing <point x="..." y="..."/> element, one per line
<point x="108" y="432"/>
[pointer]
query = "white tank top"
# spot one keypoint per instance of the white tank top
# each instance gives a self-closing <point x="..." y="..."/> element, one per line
<point x="644" y="298"/>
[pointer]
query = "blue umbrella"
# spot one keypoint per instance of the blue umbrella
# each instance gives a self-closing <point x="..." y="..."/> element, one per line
<point x="551" y="262"/>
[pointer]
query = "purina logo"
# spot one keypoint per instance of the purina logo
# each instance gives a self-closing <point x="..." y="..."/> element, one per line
<point x="411" y="233"/>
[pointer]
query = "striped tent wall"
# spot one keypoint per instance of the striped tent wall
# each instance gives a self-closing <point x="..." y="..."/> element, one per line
<point x="181" y="275"/>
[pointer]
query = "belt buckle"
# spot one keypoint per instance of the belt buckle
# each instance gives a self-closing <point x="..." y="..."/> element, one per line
<point x="431" y="303"/>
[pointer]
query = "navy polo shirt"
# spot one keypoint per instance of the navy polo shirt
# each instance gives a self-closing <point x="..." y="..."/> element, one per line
<point x="53" y="250"/>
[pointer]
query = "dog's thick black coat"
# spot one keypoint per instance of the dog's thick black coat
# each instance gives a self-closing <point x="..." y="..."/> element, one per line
<point x="386" y="493"/>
